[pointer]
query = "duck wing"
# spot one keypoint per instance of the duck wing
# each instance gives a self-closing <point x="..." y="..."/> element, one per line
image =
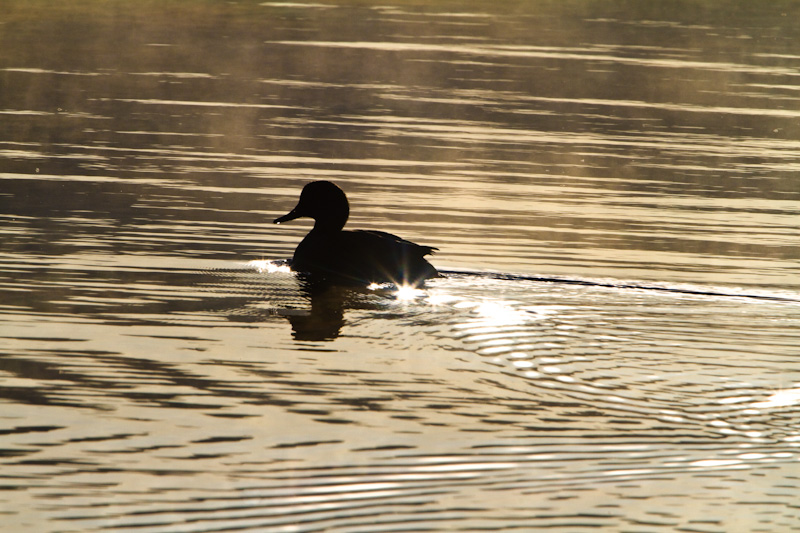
<point x="363" y="257"/>
<point x="411" y="247"/>
<point x="379" y="256"/>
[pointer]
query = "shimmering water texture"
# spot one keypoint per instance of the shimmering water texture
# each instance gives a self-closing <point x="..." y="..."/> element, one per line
<point x="614" y="344"/>
<point x="477" y="402"/>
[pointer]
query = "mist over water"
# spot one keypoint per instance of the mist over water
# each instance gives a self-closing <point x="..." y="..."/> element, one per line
<point x="614" y="191"/>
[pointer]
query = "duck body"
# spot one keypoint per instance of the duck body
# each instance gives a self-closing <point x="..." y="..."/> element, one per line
<point x="357" y="257"/>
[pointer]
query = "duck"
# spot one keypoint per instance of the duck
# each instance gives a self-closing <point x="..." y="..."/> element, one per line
<point x="330" y="252"/>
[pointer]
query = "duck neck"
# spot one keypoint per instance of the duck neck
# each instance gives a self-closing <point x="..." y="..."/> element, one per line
<point x="330" y="223"/>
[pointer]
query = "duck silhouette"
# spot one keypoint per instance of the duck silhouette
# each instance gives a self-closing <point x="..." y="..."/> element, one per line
<point x="330" y="253"/>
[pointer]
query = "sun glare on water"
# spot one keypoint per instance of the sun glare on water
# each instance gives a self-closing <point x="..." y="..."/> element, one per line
<point x="407" y="293"/>
<point x="269" y="266"/>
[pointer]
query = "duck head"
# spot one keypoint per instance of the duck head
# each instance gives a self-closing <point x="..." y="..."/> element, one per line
<point x="324" y="202"/>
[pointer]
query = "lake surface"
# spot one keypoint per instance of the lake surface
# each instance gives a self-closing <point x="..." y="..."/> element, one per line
<point x="614" y="189"/>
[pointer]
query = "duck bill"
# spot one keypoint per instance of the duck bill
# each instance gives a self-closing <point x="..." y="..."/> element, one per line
<point x="291" y="215"/>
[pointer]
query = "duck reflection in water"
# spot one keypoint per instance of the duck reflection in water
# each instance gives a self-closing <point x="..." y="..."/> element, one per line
<point x="325" y="319"/>
<point x="314" y="306"/>
<point x="358" y="257"/>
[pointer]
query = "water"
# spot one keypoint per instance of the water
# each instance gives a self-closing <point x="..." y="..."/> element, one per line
<point x="614" y="191"/>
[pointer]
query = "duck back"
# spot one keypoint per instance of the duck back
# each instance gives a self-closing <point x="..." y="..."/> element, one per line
<point x="363" y="256"/>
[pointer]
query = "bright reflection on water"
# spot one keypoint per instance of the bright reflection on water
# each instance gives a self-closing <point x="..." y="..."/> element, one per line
<point x="270" y="267"/>
<point x="782" y="398"/>
<point x="613" y="189"/>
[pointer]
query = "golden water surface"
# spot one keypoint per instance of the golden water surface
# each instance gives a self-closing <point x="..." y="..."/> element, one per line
<point x="614" y="189"/>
